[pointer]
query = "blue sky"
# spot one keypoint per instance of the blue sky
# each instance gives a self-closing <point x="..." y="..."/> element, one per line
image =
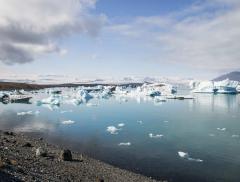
<point x="118" y="38"/>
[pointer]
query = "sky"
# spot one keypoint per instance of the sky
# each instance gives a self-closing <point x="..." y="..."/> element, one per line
<point x="119" y="38"/>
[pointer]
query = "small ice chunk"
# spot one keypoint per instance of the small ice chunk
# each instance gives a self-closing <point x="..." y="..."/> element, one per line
<point x="124" y="144"/>
<point x="121" y="125"/>
<point x="91" y="105"/>
<point x="195" y="160"/>
<point x="140" y="122"/>
<point x="62" y="112"/>
<point x="186" y="156"/>
<point x="165" y="121"/>
<point x="235" y="136"/>
<point x="112" y="130"/>
<point x="211" y="135"/>
<point x="221" y="129"/>
<point x="68" y="122"/>
<point x="24" y="113"/>
<point x="183" y="154"/>
<point x="37" y="112"/>
<point x="155" y="136"/>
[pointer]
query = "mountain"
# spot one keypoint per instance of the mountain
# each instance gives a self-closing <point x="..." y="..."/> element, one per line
<point x="231" y="76"/>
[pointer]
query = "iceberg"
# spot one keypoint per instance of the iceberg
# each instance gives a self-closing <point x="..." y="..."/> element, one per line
<point x="203" y="87"/>
<point x="222" y="87"/>
<point x="226" y="86"/>
<point x="50" y="100"/>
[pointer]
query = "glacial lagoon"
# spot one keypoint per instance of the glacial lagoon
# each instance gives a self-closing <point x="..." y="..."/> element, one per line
<point x="177" y="140"/>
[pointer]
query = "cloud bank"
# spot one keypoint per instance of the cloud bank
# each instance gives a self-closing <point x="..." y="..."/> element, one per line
<point x="31" y="28"/>
<point x="203" y="36"/>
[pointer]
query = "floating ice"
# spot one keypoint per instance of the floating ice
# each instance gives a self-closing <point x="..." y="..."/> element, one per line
<point x="121" y="125"/>
<point x="221" y="129"/>
<point x="124" y="144"/>
<point x="50" y="100"/>
<point x="211" y="135"/>
<point x="68" y="122"/>
<point x="112" y="130"/>
<point x="186" y="156"/>
<point x="91" y="105"/>
<point x="62" y="112"/>
<point x="140" y="122"/>
<point x="235" y="136"/>
<point x="165" y="121"/>
<point x="37" y="112"/>
<point x="155" y="136"/>
<point x="183" y="154"/>
<point x="25" y="113"/>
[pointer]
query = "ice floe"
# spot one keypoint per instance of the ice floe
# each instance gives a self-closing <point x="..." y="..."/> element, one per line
<point x="186" y="156"/>
<point x="112" y="130"/>
<point x="124" y="144"/>
<point x="121" y="125"/>
<point x="140" y="122"/>
<point x="221" y="129"/>
<point x="67" y="111"/>
<point x="155" y="136"/>
<point x="28" y="113"/>
<point x="68" y="122"/>
<point x="235" y="136"/>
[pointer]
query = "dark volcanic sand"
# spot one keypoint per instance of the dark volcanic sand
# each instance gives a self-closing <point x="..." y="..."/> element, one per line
<point x="20" y="163"/>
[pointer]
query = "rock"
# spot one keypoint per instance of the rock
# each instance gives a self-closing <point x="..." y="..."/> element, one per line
<point x="8" y="133"/>
<point x="27" y="144"/>
<point x="66" y="155"/>
<point x="40" y="152"/>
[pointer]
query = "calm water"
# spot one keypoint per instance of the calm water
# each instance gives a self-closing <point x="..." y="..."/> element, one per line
<point x="191" y="127"/>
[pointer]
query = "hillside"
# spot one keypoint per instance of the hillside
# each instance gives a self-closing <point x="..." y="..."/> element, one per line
<point x="232" y="76"/>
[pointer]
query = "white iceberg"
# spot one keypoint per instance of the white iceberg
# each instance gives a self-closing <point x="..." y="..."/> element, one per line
<point x="50" y="100"/>
<point x="226" y="86"/>
<point x="203" y="87"/>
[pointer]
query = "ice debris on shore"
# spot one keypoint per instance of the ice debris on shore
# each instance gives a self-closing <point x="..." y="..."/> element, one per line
<point x="124" y="144"/>
<point x="155" y="136"/>
<point x="68" y="122"/>
<point x="185" y="155"/>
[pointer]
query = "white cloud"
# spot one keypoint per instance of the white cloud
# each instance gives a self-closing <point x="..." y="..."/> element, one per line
<point x="31" y="28"/>
<point x="203" y="36"/>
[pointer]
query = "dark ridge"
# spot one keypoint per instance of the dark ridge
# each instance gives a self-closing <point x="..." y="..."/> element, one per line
<point x="231" y="76"/>
<point x="26" y="86"/>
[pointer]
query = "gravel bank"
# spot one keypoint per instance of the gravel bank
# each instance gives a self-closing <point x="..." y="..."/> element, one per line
<point x="27" y="159"/>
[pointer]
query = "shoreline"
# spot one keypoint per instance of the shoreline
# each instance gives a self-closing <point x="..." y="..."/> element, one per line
<point x="24" y="158"/>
